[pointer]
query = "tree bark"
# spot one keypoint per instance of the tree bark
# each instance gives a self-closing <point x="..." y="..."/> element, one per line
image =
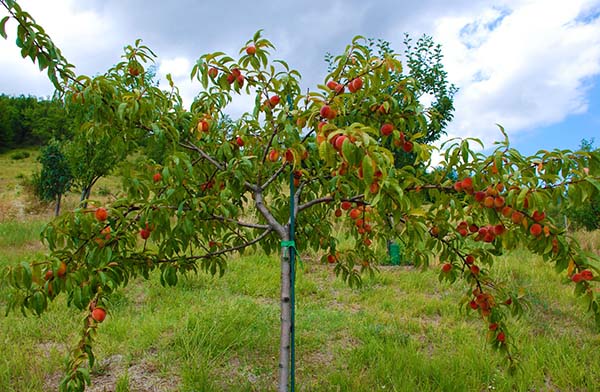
<point x="286" y="321"/>
<point x="57" y="209"/>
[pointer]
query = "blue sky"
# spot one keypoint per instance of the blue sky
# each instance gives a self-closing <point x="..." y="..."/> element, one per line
<point x="568" y="133"/>
<point x="531" y="65"/>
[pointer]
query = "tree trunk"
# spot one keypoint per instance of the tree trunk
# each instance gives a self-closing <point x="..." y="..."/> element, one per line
<point x="57" y="209"/>
<point x="286" y="321"/>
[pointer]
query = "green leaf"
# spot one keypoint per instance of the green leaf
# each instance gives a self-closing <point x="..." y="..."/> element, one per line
<point x="594" y="182"/>
<point x="3" y="26"/>
<point x="367" y="169"/>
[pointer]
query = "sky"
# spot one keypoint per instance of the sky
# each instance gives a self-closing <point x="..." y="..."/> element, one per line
<point x="532" y="66"/>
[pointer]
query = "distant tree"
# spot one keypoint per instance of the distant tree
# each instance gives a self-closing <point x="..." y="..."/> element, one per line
<point x="8" y="119"/>
<point x="31" y="121"/>
<point x="54" y="179"/>
<point x="585" y="215"/>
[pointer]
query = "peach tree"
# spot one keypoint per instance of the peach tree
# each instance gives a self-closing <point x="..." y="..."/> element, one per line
<point x="223" y="186"/>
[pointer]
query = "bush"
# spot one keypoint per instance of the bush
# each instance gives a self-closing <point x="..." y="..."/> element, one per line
<point x="20" y="155"/>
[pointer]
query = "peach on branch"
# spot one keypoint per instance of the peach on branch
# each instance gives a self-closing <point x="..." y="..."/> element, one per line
<point x="535" y="229"/>
<point x="274" y="100"/>
<point x="101" y="214"/>
<point x="99" y="314"/>
<point x="387" y="129"/>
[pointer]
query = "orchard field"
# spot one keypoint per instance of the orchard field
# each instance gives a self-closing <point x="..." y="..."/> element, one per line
<point x="401" y="331"/>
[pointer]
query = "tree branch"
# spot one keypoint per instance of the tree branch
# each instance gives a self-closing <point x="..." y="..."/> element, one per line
<point x="241" y="223"/>
<point x="204" y="155"/>
<point x="273" y="224"/>
<point x="273" y="177"/>
<point x="327" y="199"/>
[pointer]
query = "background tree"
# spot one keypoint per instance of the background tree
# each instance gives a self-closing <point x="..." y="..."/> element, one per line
<point x="54" y="179"/>
<point x="585" y="215"/>
<point x="30" y="121"/>
<point x="223" y="187"/>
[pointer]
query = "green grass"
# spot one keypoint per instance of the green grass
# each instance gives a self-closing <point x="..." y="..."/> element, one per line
<point x="401" y="331"/>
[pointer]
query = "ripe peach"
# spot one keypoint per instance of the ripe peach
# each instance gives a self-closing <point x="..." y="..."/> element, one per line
<point x="99" y="314"/>
<point x="62" y="270"/>
<point x="535" y="229"/>
<point x="145" y="233"/>
<point x="458" y="187"/>
<point x="446" y="267"/>
<point x="321" y="125"/>
<point x="408" y="146"/>
<point x="203" y="126"/>
<point x="587" y="275"/>
<point x="213" y="72"/>
<point x="538" y="216"/>
<point x="577" y="278"/>
<point x="339" y="142"/>
<point x="332" y="84"/>
<point x="355" y="213"/>
<point x="488" y="202"/>
<point x="467" y="183"/>
<point x="273" y="156"/>
<point x="274" y="100"/>
<point x="479" y="196"/>
<point x="463" y="232"/>
<point x="331" y="259"/>
<point x="157" y="177"/>
<point x="345" y="205"/>
<point x="489" y="237"/>
<point x="387" y="129"/>
<point x="473" y="228"/>
<point x="101" y="214"/>
<point x="374" y="187"/>
<point x="501" y="337"/>
<point x="239" y="141"/>
<point x="507" y="211"/>
<point x="326" y="111"/>
<point x="251" y="50"/>
<point x="473" y="305"/>
<point x="240" y="80"/>
<point x="356" y="85"/>
<point x="338" y="212"/>
<point x="517" y="217"/>
<point x="289" y="155"/>
<point x="470" y="259"/>
<point x="499" y="229"/>
<point x="49" y="274"/>
<point x="498" y="202"/>
<point x="474" y="270"/>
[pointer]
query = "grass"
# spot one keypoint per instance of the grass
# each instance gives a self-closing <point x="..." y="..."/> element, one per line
<point x="401" y="331"/>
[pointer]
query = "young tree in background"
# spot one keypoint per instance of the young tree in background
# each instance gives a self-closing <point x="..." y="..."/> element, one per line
<point x="54" y="179"/>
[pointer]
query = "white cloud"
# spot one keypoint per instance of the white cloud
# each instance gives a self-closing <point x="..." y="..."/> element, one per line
<point x="522" y="65"/>
<point x="83" y="36"/>
<point x="177" y="67"/>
